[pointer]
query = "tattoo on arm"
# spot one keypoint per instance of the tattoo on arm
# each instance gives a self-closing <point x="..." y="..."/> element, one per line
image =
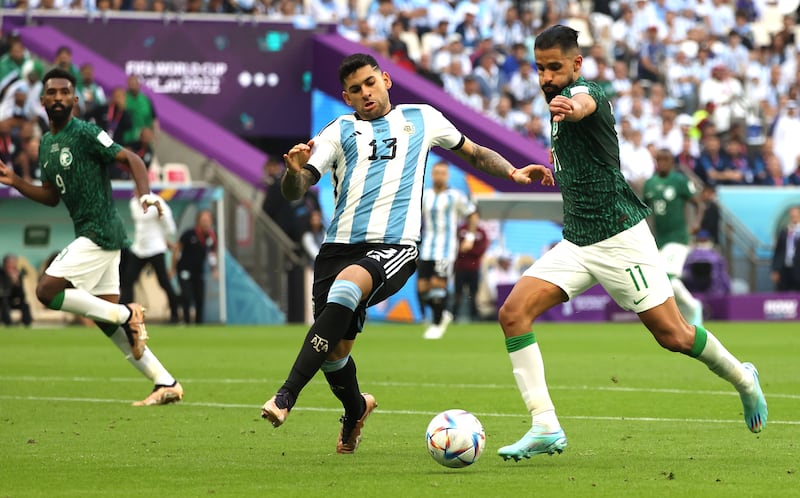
<point x="294" y="186"/>
<point x="487" y="160"/>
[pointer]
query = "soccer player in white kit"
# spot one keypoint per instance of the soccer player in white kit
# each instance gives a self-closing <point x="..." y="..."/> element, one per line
<point x="443" y="208"/>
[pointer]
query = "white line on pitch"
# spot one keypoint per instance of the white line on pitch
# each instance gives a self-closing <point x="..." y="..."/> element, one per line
<point x="424" y="385"/>
<point x="396" y="412"/>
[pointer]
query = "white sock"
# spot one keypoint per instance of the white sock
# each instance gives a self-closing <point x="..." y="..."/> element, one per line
<point x="720" y="361"/>
<point x="82" y="303"/>
<point x="528" y="369"/>
<point x="682" y="294"/>
<point x="148" y="364"/>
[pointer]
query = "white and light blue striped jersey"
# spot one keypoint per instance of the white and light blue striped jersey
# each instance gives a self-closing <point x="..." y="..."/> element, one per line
<point x="377" y="170"/>
<point x="442" y="213"/>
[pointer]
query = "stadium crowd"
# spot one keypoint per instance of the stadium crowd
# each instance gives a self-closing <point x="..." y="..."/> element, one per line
<point x="699" y="77"/>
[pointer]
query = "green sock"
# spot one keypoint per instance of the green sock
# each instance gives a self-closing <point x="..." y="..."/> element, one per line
<point x="700" y="339"/>
<point x="519" y="342"/>
<point x="57" y="301"/>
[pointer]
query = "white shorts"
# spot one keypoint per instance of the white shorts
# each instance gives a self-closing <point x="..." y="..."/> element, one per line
<point x="88" y="267"/>
<point x="674" y="256"/>
<point x="627" y="265"/>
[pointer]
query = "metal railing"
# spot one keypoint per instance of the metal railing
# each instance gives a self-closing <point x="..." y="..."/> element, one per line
<point x="271" y="252"/>
<point x="742" y="250"/>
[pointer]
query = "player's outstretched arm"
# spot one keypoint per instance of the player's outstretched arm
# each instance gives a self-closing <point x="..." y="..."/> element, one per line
<point x="296" y="181"/>
<point x="140" y="180"/>
<point x="46" y="194"/>
<point x="489" y="161"/>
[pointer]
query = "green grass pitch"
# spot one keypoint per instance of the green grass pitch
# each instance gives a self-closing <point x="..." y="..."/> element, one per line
<point x="640" y="421"/>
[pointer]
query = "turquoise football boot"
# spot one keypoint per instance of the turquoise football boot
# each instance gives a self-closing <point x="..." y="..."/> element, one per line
<point x="755" y="406"/>
<point x="535" y="442"/>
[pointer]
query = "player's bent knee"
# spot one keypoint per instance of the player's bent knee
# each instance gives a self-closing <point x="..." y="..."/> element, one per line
<point x="675" y="341"/>
<point x="511" y="316"/>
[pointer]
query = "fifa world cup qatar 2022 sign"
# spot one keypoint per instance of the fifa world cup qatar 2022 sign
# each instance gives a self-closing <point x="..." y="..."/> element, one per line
<point x="251" y="77"/>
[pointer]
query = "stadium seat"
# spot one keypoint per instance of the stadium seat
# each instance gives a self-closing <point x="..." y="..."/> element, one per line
<point x="176" y="173"/>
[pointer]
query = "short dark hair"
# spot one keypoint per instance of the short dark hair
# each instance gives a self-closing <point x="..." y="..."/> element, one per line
<point x="57" y="72"/>
<point x="353" y="63"/>
<point x="558" y="36"/>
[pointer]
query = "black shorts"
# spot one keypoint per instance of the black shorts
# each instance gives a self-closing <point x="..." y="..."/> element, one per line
<point x="440" y="268"/>
<point x="390" y="266"/>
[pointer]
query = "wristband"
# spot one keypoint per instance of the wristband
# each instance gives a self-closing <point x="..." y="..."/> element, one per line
<point x="511" y="175"/>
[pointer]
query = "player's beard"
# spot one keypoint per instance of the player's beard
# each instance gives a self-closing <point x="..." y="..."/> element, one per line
<point x="59" y="116"/>
<point x="551" y="91"/>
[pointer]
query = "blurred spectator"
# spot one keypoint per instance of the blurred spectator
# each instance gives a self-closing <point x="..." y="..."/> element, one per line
<point x="503" y="272"/>
<point x="794" y="178"/>
<point x="293" y="218"/>
<point x="10" y="147"/>
<point x="735" y="55"/>
<point x="472" y="244"/>
<point x="723" y="96"/>
<point x="432" y="41"/>
<point x="113" y="116"/>
<point x="11" y="62"/>
<point x="488" y="75"/>
<point x="425" y="70"/>
<point x="773" y="174"/>
<point x="505" y="114"/>
<point x="712" y="165"/>
<point x="786" y="256"/>
<point x="454" y="79"/>
<point x="382" y="17"/>
<point x="624" y="35"/>
<point x="63" y="60"/>
<point x="785" y="137"/>
<point x="652" y="56"/>
<point x="636" y="162"/>
<point x="509" y="31"/>
<point x="12" y="291"/>
<point x="471" y="94"/>
<point x="524" y="84"/>
<point x="91" y="94"/>
<point x="452" y="53"/>
<point x="468" y="28"/>
<point x="705" y="271"/>
<point x="145" y="146"/>
<point x="153" y="234"/>
<point x="196" y="247"/>
<point x="711" y="213"/>
<point x="26" y="161"/>
<point x="313" y="236"/>
<point x="736" y="153"/>
<point x="683" y="80"/>
<point x="141" y="110"/>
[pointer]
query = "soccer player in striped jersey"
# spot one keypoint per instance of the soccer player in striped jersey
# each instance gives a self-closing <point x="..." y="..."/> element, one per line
<point x="84" y="277"/>
<point x="377" y="157"/>
<point x="606" y="240"/>
<point x="443" y="208"/>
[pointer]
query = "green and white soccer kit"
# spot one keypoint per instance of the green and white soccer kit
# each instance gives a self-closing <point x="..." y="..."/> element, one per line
<point x="668" y="197"/>
<point x="75" y="161"/>
<point x="606" y="239"/>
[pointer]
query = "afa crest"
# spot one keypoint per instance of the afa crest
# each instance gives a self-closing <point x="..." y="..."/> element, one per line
<point x="65" y="158"/>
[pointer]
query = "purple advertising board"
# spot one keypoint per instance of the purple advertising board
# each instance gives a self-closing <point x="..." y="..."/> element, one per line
<point x="249" y="76"/>
<point x="595" y="305"/>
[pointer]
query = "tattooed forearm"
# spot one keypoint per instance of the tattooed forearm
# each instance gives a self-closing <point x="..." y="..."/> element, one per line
<point x="295" y="185"/>
<point x="489" y="161"/>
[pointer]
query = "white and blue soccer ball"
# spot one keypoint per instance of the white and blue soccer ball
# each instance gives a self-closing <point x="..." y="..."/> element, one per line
<point x="455" y="438"/>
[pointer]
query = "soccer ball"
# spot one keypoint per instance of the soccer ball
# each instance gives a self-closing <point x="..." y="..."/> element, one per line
<point x="455" y="438"/>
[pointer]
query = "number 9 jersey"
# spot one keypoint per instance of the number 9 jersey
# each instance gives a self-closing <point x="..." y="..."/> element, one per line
<point x="75" y="161"/>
